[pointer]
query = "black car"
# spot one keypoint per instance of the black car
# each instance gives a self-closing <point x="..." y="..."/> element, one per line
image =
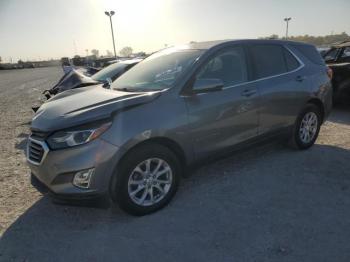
<point x="338" y="59"/>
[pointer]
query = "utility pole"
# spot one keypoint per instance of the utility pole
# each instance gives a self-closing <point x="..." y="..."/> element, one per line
<point x="287" y="19"/>
<point x="110" y="14"/>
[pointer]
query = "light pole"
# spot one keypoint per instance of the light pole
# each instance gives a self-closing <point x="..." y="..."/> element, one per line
<point x="110" y="14"/>
<point x="287" y="19"/>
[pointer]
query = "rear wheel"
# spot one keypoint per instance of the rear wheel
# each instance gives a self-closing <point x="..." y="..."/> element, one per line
<point x="307" y="127"/>
<point x="147" y="179"/>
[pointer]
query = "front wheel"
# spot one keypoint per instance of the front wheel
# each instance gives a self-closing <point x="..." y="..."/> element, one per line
<point x="147" y="179"/>
<point x="307" y="127"/>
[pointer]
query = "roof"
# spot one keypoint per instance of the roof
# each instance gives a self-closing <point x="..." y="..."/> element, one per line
<point x="126" y="61"/>
<point x="131" y="61"/>
<point x="211" y="44"/>
<point x="207" y="44"/>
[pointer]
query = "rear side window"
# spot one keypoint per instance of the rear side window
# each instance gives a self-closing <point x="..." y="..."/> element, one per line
<point x="311" y="53"/>
<point x="291" y="61"/>
<point x="269" y="60"/>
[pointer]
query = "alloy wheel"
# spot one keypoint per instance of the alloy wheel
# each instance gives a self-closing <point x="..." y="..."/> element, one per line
<point x="150" y="181"/>
<point x="308" y="127"/>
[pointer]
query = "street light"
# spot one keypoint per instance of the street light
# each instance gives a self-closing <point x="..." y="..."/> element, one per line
<point x="110" y="14"/>
<point x="287" y="19"/>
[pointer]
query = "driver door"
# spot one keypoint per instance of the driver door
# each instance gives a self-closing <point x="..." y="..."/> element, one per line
<point x="221" y="118"/>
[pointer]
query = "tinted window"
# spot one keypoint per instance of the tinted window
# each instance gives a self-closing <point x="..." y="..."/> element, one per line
<point x="331" y="54"/>
<point x="346" y="53"/>
<point x="228" y="66"/>
<point x="268" y="60"/>
<point x="310" y="52"/>
<point x="291" y="61"/>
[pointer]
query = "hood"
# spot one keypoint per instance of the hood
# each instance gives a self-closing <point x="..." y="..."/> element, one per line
<point x="73" y="79"/>
<point x="83" y="105"/>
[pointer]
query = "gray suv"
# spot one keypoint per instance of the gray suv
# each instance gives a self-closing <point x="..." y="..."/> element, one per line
<point x="183" y="104"/>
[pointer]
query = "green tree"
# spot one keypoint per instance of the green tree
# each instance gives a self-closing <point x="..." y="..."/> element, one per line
<point x="316" y="40"/>
<point x="95" y="52"/>
<point x="126" y="51"/>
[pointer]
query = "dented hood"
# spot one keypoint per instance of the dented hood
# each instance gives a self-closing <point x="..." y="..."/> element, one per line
<point x="79" y="106"/>
<point x="73" y="79"/>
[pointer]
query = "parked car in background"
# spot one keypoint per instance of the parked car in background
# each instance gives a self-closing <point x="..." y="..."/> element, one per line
<point x="77" y="79"/>
<point x="134" y="142"/>
<point x="338" y="59"/>
<point x="110" y="73"/>
<point x="107" y="75"/>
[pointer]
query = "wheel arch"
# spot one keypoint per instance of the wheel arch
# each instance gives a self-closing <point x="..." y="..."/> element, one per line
<point x="169" y="143"/>
<point x="317" y="102"/>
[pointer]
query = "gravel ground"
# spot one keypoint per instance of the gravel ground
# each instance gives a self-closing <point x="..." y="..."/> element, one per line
<point x="269" y="203"/>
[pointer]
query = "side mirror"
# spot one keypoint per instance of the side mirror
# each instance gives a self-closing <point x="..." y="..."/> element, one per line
<point x="108" y="83"/>
<point x="207" y="85"/>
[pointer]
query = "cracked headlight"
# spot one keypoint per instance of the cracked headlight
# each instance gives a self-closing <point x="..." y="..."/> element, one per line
<point x="70" y="138"/>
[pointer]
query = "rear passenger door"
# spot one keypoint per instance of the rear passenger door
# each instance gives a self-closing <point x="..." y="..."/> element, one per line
<point x="281" y="83"/>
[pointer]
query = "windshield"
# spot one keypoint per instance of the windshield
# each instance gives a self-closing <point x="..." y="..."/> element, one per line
<point x="111" y="71"/>
<point x="159" y="71"/>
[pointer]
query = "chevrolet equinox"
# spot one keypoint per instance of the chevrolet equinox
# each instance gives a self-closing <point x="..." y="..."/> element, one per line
<point x="133" y="142"/>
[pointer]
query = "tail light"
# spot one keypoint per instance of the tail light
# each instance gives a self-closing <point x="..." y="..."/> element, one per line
<point x="330" y="73"/>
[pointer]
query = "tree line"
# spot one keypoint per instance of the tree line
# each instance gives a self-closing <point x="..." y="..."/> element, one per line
<point x="315" y="40"/>
<point x="125" y="52"/>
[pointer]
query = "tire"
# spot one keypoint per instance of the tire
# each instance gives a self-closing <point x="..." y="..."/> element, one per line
<point x="299" y="138"/>
<point x="130" y="179"/>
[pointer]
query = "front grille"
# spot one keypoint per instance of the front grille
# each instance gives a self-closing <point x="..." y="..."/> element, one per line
<point x="35" y="151"/>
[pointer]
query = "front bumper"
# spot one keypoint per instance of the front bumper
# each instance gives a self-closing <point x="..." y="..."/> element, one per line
<point x="42" y="188"/>
<point x="56" y="170"/>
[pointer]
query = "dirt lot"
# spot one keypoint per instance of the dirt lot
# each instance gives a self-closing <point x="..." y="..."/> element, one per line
<point x="265" y="204"/>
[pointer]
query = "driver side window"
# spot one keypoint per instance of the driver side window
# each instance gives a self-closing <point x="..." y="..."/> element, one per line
<point x="229" y="66"/>
<point x="331" y="55"/>
<point x="345" y="57"/>
<point x="346" y="53"/>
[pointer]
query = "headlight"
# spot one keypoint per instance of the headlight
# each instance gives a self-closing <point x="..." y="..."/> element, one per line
<point x="69" y="138"/>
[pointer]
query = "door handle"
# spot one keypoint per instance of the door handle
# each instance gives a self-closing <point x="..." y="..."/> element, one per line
<point x="300" y="78"/>
<point x="248" y="92"/>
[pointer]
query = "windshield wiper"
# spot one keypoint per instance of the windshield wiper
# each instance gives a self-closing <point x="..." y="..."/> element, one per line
<point x="124" y="89"/>
<point x="135" y="90"/>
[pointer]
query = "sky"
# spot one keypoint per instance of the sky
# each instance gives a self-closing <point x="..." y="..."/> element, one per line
<point x="44" y="29"/>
